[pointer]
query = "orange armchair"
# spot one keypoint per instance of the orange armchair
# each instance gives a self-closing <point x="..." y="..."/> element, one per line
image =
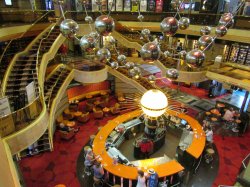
<point x="66" y="135"/>
<point x="115" y="109"/>
<point x="98" y="113"/>
<point x="83" y="118"/>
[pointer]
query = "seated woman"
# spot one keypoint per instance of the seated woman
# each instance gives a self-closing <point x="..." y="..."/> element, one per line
<point x="229" y="115"/>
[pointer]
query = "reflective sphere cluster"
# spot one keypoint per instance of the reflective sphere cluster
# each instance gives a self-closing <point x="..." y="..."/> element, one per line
<point x="172" y="74"/>
<point x="130" y="65"/>
<point x="205" y="42"/>
<point x="195" y="58"/>
<point x="135" y="72"/>
<point x="221" y="30"/>
<point x="104" y="25"/>
<point x="205" y="30"/>
<point x="184" y="23"/>
<point x="140" y="17"/>
<point x="150" y="52"/>
<point x="87" y="42"/>
<point x="183" y="54"/>
<point x="145" y="33"/>
<point x="103" y="55"/>
<point x="226" y="20"/>
<point x="175" y="4"/>
<point x="167" y="54"/>
<point x="169" y="26"/>
<point x="69" y="28"/>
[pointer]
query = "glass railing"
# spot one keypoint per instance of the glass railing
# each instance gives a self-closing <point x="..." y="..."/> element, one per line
<point x="241" y="22"/>
<point x="11" y="48"/>
<point x="21" y="118"/>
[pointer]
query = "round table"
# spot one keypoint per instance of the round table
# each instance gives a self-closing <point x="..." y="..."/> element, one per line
<point x="220" y="105"/>
<point x="71" y="124"/>
<point x="106" y="110"/>
<point x="89" y="96"/>
<point x="208" y="113"/>
<point x="215" y="111"/>
<point x="214" y="119"/>
<point x="77" y="114"/>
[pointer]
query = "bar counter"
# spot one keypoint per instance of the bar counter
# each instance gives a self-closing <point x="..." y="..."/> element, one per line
<point x="163" y="170"/>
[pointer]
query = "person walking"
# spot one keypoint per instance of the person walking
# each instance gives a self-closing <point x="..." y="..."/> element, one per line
<point x="141" y="179"/>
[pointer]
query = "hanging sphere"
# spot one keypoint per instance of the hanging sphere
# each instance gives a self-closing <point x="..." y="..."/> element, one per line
<point x="195" y="58"/>
<point x="205" y="30"/>
<point x="69" y="28"/>
<point x="103" y="55"/>
<point x="94" y="35"/>
<point x="183" y="54"/>
<point x="121" y="59"/>
<point x="145" y="33"/>
<point x="104" y="25"/>
<point x="151" y="79"/>
<point x="184" y="23"/>
<point x="172" y="74"/>
<point x="98" y="2"/>
<point x="87" y="42"/>
<point x="221" y="30"/>
<point x="226" y="20"/>
<point x="140" y="17"/>
<point x="175" y="4"/>
<point x="169" y="26"/>
<point x="205" y="42"/>
<point x="130" y="65"/>
<point x="135" y="72"/>
<point x="89" y="19"/>
<point x="150" y="52"/>
<point x="167" y="54"/>
<point x="114" y="65"/>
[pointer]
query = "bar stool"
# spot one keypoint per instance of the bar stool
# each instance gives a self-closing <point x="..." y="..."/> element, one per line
<point x="60" y="185"/>
<point x="209" y="155"/>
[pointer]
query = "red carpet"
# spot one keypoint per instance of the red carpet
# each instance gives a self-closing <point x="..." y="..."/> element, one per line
<point x="59" y="166"/>
<point x="232" y="150"/>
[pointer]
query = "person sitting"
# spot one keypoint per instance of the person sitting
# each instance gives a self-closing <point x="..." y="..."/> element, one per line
<point x="209" y="136"/>
<point x="205" y="125"/>
<point x="141" y="179"/>
<point x="67" y="129"/>
<point x="229" y="115"/>
<point x="89" y="160"/>
<point x="146" y="146"/>
<point x="98" y="172"/>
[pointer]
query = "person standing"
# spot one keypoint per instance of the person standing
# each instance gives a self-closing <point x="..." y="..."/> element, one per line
<point x="98" y="172"/>
<point x="209" y="136"/>
<point x="153" y="178"/>
<point x="141" y="179"/>
<point x="146" y="146"/>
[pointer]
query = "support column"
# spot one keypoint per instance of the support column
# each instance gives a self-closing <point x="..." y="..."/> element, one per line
<point x="242" y="109"/>
<point x="9" y="176"/>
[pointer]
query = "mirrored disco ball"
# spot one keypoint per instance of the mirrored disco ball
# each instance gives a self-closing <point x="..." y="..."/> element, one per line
<point x="140" y="17"/>
<point x="172" y="74"/>
<point x="221" y="30"/>
<point x="205" y="30"/>
<point x="104" y="25"/>
<point x="114" y="65"/>
<point x="88" y="19"/>
<point x="226" y="20"/>
<point x="94" y="35"/>
<point x="183" y="54"/>
<point x="175" y="4"/>
<point x="150" y="52"/>
<point x="130" y="65"/>
<point x="151" y="79"/>
<point x="103" y="55"/>
<point x="205" y="42"/>
<point x="169" y="26"/>
<point x="121" y="59"/>
<point x="69" y="28"/>
<point x="184" y="23"/>
<point x="195" y="58"/>
<point x="87" y="42"/>
<point x="145" y="33"/>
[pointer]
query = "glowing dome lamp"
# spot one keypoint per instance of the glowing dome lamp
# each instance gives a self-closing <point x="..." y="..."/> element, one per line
<point x="154" y="103"/>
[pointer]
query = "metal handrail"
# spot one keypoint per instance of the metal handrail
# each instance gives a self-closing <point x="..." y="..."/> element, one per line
<point x="58" y="78"/>
<point x="5" y="49"/>
<point x="243" y="161"/>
